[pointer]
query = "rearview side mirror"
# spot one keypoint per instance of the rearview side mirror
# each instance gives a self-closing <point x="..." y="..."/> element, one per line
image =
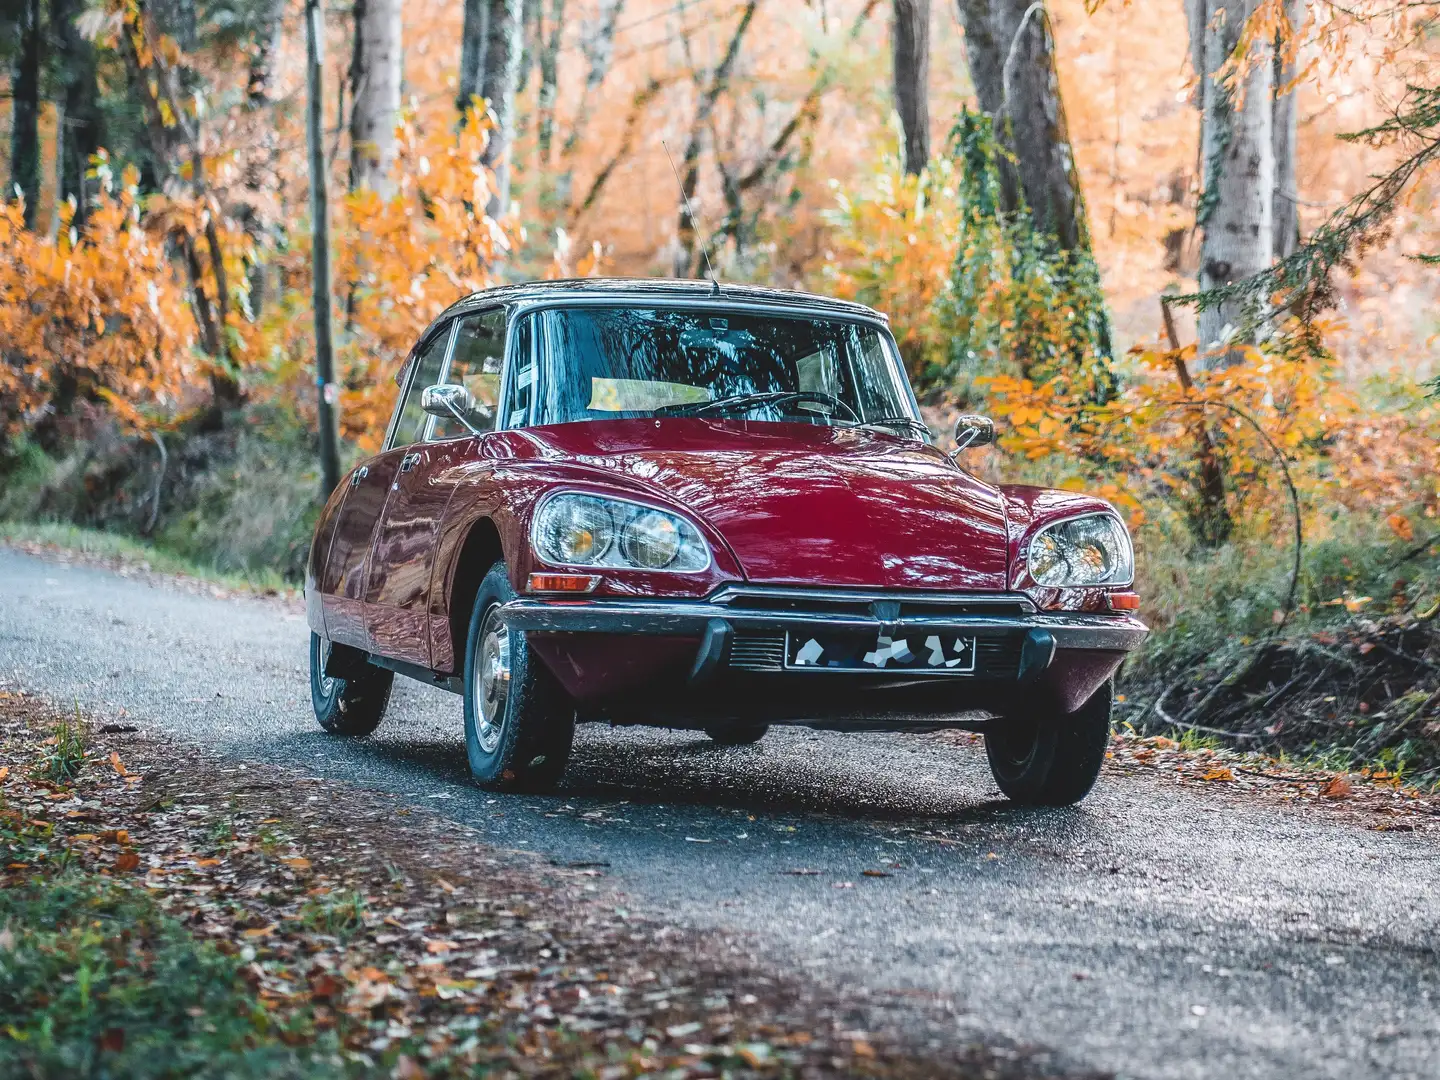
<point x="449" y="400"/>
<point x="972" y="431"/>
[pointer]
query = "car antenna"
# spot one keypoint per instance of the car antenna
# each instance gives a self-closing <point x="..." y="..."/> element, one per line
<point x="690" y="213"/>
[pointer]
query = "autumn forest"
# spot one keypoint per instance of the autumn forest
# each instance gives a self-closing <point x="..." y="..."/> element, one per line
<point x="1182" y="251"/>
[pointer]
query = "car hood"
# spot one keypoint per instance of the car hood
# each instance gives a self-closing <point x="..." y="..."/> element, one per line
<point x="807" y="504"/>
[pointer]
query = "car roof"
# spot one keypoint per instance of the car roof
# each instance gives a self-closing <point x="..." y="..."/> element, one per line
<point x="656" y="290"/>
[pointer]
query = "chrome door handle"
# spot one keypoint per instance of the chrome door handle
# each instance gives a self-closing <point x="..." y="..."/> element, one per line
<point x="358" y="475"/>
<point x="409" y="461"/>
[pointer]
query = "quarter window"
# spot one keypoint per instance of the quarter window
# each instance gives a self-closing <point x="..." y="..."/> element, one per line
<point x="410" y="422"/>
<point x="476" y="363"/>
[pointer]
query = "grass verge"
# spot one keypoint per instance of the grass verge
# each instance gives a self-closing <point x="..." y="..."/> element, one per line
<point x="115" y="551"/>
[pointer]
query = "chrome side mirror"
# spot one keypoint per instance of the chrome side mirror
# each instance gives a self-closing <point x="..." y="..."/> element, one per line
<point x="972" y="431"/>
<point x="448" y="400"/>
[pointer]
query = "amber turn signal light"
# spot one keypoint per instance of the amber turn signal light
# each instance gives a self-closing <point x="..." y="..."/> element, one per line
<point x="1124" y="601"/>
<point x="566" y="583"/>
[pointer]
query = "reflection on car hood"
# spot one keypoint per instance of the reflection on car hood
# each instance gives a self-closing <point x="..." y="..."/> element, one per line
<point x="807" y="504"/>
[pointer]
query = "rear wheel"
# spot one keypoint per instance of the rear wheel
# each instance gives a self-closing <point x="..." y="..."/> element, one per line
<point x="519" y="722"/>
<point x="353" y="706"/>
<point x="1045" y="757"/>
<point x="737" y="734"/>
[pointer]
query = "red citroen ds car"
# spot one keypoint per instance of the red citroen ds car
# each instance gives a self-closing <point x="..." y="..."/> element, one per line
<point x="716" y="508"/>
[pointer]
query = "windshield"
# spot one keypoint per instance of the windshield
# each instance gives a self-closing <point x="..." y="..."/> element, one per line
<point x="611" y="362"/>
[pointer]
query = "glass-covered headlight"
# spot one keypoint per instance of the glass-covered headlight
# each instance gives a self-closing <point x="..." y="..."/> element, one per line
<point x="1090" y="550"/>
<point x="572" y="529"/>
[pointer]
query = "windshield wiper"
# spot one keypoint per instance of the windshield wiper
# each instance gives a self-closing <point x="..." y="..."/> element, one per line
<point x="747" y="402"/>
<point x="900" y="421"/>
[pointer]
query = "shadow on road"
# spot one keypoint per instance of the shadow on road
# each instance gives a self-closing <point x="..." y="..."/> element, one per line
<point x="885" y="780"/>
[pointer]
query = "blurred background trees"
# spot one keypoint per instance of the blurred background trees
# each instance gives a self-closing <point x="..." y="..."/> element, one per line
<point x="1108" y="223"/>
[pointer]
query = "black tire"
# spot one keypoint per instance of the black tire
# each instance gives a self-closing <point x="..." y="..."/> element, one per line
<point x="1044" y="757"/>
<point x="737" y="734"/>
<point x="518" y="727"/>
<point x="352" y="707"/>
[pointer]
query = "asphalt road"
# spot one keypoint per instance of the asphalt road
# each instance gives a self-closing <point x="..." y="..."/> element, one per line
<point x="1150" y="931"/>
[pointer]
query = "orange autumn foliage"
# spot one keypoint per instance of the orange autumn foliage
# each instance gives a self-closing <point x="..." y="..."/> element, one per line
<point x="93" y="311"/>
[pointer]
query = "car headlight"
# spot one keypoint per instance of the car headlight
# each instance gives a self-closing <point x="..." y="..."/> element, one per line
<point x="1090" y="550"/>
<point x="589" y="530"/>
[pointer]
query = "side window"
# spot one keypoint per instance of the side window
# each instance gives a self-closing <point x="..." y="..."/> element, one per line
<point x="516" y="412"/>
<point x="476" y="363"/>
<point x="410" y="426"/>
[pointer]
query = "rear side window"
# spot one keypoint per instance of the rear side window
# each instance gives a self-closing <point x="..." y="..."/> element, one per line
<point x="410" y="420"/>
<point x="476" y="363"/>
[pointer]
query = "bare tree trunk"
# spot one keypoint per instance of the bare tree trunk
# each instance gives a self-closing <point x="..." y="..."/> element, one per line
<point x="80" y="105"/>
<point x="473" y="36"/>
<point x="910" y="47"/>
<point x="690" y="168"/>
<point x="1286" y="215"/>
<point x="1238" y="151"/>
<point x="375" y="94"/>
<point x="597" y="42"/>
<point x="549" y="41"/>
<point x="25" y="113"/>
<point x="1011" y="55"/>
<point x="504" y="34"/>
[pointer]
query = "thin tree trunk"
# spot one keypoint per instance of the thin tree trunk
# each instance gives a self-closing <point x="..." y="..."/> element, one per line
<point x="598" y="45"/>
<point x="549" y="55"/>
<point x="328" y="390"/>
<point x="910" y="46"/>
<point x="80" y="104"/>
<point x="1286" y="215"/>
<point x="1011" y="56"/>
<point x="375" y="93"/>
<point x="719" y="81"/>
<point x="25" y="111"/>
<point x="1237" y="203"/>
<point x="473" y="37"/>
<point x="502" y="70"/>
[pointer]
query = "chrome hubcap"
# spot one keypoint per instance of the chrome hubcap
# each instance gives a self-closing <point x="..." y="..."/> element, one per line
<point x="327" y="683"/>
<point x="492" y="682"/>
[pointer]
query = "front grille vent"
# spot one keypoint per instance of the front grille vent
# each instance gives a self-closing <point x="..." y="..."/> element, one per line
<point x="758" y="652"/>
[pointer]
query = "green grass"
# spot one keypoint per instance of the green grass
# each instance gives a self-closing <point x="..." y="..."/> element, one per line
<point x="64" y="759"/>
<point x="97" y="981"/>
<point x="97" y="543"/>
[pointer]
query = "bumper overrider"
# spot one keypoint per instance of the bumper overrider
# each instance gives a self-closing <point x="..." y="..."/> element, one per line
<point x="768" y="653"/>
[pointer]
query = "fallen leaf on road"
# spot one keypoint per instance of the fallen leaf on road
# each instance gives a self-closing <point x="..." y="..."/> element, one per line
<point x="127" y="860"/>
<point x="862" y="1048"/>
<point x="1337" y="787"/>
<point x="1221" y="774"/>
<point x="260" y="931"/>
<point x="874" y="873"/>
<point x="297" y="864"/>
<point x="4" y="771"/>
<point x="117" y="764"/>
<point x="435" y="946"/>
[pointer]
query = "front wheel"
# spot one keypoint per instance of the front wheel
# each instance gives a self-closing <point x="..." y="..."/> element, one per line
<point x="1044" y="757"/>
<point x="519" y="722"/>
<point x="353" y="706"/>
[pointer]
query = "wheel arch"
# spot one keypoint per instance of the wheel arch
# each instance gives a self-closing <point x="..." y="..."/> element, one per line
<point x="481" y="549"/>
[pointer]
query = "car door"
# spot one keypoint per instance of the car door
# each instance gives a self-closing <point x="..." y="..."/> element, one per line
<point x="399" y="587"/>
<point x="348" y="567"/>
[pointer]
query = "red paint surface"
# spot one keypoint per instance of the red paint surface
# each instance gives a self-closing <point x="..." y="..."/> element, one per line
<point x="779" y="503"/>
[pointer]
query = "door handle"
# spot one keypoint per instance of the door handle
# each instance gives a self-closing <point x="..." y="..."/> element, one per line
<point x="358" y="475"/>
<point x="409" y="461"/>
